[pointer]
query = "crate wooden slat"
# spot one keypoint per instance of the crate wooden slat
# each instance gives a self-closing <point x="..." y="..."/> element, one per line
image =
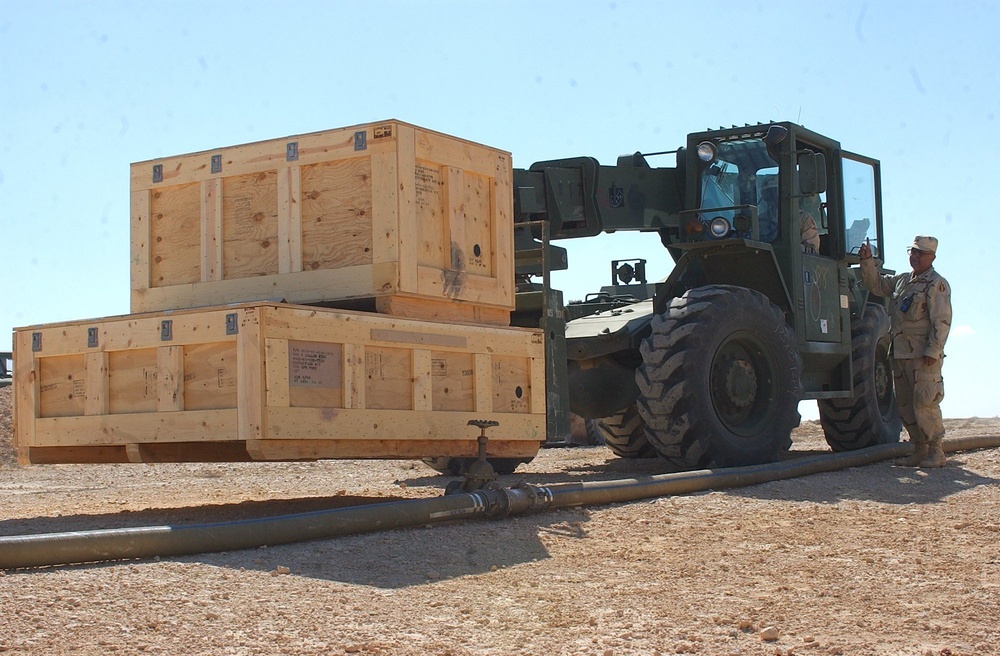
<point x="268" y="381"/>
<point x="416" y="223"/>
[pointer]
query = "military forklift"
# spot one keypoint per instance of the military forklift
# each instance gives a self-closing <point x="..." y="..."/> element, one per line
<point x="764" y="306"/>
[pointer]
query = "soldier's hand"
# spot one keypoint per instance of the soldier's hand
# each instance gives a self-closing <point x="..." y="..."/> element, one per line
<point x="865" y="252"/>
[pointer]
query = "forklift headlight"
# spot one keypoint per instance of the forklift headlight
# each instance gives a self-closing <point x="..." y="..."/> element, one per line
<point x="719" y="227"/>
<point x="693" y="226"/>
<point x="706" y="151"/>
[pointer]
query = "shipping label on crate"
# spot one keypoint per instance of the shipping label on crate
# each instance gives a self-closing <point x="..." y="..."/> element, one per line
<point x="315" y="364"/>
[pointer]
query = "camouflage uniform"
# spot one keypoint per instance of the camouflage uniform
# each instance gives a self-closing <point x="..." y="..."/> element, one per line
<point x="810" y="233"/>
<point x="921" y="318"/>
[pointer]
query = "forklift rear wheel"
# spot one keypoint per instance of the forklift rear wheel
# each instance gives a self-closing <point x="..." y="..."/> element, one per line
<point x="625" y="434"/>
<point x="871" y="416"/>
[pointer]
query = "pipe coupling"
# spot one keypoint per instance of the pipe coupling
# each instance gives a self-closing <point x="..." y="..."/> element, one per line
<point x="522" y="499"/>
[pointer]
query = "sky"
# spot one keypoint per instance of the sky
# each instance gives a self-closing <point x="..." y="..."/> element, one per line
<point x="87" y="88"/>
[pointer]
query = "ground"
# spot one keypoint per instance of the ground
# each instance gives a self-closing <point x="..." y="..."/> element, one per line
<point x="877" y="560"/>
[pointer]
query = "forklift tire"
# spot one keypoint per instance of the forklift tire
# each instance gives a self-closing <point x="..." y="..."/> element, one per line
<point x="720" y="381"/>
<point x="871" y="416"/>
<point x="594" y="435"/>
<point x="625" y="434"/>
<point x="450" y="466"/>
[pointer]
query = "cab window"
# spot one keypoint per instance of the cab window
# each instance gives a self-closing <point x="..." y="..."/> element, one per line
<point x="859" y="206"/>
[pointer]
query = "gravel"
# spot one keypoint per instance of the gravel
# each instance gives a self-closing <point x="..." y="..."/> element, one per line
<point x="879" y="560"/>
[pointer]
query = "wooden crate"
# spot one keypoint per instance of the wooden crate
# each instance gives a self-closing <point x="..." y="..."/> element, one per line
<point x="273" y="382"/>
<point x="413" y="222"/>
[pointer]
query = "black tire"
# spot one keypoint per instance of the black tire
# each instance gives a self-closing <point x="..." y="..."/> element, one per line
<point x="458" y="466"/>
<point x="625" y="434"/>
<point x="594" y="435"/>
<point x="871" y="417"/>
<point x="720" y="380"/>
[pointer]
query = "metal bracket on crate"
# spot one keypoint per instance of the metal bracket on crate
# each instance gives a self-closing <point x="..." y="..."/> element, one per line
<point x="91" y="337"/>
<point x="292" y="151"/>
<point x="232" y="324"/>
<point x="216" y="163"/>
<point x="36" y="342"/>
<point x="166" y="330"/>
<point x="157" y="172"/>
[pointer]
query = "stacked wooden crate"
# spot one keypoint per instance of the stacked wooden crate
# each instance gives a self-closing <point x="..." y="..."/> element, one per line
<point x="400" y="240"/>
<point x="418" y="222"/>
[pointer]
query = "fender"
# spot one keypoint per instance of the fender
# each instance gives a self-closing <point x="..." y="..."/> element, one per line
<point x="740" y="262"/>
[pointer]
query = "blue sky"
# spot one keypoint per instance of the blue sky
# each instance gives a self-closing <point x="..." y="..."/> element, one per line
<point x="87" y="88"/>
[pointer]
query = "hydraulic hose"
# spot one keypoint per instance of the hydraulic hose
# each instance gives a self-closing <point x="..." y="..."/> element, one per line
<point x="492" y="501"/>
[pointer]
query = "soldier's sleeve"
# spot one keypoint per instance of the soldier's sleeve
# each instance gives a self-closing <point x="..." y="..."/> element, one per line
<point x="877" y="284"/>
<point x="810" y="233"/>
<point x="939" y="313"/>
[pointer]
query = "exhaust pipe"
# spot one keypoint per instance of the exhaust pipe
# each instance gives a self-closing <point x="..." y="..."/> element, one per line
<point x="492" y="501"/>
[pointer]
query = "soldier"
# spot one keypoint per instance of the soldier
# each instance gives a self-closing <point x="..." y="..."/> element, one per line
<point x="921" y="318"/>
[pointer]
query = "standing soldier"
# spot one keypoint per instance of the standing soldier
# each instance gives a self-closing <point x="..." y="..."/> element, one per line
<point x="921" y="318"/>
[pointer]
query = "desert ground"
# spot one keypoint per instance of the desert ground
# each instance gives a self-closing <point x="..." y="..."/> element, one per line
<point x="877" y="560"/>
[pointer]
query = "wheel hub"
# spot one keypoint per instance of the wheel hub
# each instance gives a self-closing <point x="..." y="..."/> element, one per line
<point x="881" y="380"/>
<point x="740" y="385"/>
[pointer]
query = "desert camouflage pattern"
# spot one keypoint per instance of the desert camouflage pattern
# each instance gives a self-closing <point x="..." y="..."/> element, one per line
<point x="920" y="310"/>
<point x="919" y="392"/>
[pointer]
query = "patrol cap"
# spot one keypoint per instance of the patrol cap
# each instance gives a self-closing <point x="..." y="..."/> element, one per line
<point x="924" y="243"/>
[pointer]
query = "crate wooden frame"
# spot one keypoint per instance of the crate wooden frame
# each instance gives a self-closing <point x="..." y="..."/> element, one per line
<point x="418" y="221"/>
<point x="240" y="383"/>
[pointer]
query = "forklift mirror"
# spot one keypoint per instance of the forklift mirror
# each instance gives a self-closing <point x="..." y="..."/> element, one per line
<point x="812" y="174"/>
<point x="772" y="140"/>
<point x="775" y="135"/>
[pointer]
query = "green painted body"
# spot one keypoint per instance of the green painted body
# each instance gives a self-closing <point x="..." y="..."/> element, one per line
<point x="820" y="293"/>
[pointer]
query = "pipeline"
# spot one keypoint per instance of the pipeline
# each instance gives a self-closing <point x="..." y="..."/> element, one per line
<point x="53" y="549"/>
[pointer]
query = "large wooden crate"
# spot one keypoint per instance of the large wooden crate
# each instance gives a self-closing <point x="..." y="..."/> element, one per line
<point x="414" y="222"/>
<point x="273" y="382"/>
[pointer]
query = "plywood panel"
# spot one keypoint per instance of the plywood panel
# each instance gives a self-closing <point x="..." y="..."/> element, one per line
<point x="63" y="382"/>
<point x="250" y="225"/>
<point x="336" y="214"/>
<point x="210" y="376"/>
<point x="430" y="207"/>
<point x="132" y="385"/>
<point x="175" y="235"/>
<point x="453" y="379"/>
<point x="511" y="384"/>
<point x="470" y="223"/>
<point x="388" y="379"/>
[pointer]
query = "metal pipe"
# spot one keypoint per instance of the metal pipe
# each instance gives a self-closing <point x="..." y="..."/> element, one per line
<point x="492" y="501"/>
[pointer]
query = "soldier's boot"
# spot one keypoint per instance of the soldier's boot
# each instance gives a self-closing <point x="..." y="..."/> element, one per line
<point x="935" y="455"/>
<point x="915" y="458"/>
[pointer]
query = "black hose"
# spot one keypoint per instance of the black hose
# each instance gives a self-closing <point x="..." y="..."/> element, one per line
<point x="493" y="501"/>
<point x="147" y="542"/>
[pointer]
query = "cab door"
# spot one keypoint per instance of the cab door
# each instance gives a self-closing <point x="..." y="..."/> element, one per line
<point x="819" y="289"/>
